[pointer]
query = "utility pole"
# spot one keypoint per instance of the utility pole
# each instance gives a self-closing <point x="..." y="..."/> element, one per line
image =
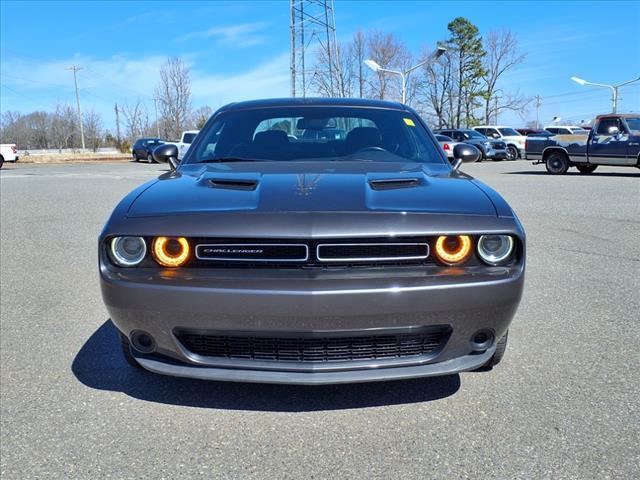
<point x="155" y="104"/>
<point x="117" y="126"/>
<point x="75" y="81"/>
<point x="538" y="103"/>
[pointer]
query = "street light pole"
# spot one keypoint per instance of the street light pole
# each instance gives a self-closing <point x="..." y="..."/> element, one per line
<point x="614" y="89"/>
<point x="373" y="65"/>
<point x="75" y="81"/>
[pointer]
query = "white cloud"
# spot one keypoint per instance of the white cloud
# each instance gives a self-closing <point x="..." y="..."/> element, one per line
<point x="37" y="85"/>
<point x="267" y="80"/>
<point x="239" y="35"/>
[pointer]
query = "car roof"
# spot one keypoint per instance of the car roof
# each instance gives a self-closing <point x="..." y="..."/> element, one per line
<point x="296" y="102"/>
<point x="563" y="126"/>
<point x="624" y="115"/>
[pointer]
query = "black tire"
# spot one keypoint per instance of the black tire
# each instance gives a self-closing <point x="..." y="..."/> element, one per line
<point x="512" y="152"/>
<point x="557" y="163"/>
<point x="586" y="169"/>
<point x="126" y="351"/>
<point x="1" y="161"/>
<point x="150" y="158"/>
<point x="501" y="347"/>
<point x="134" y="156"/>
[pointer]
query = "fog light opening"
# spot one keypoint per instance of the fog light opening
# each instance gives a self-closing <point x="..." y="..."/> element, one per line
<point x="482" y="340"/>
<point x="143" y="342"/>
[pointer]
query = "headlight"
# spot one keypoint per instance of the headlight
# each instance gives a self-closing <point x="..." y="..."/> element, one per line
<point x="128" y="251"/>
<point x="487" y="144"/>
<point x="171" y="251"/>
<point x="495" y="249"/>
<point x="454" y="249"/>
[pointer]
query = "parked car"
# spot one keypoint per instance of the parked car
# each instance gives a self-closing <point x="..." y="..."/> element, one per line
<point x="447" y="145"/>
<point x="566" y="130"/>
<point x="8" y="153"/>
<point x="613" y="140"/>
<point x="491" y="149"/>
<point x="510" y="136"/>
<point x="533" y="132"/>
<point x="261" y="259"/>
<point x="143" y="149"/>
<point x="186" y="139"/>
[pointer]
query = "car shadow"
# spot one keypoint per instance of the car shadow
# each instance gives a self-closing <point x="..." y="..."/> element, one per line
<point x="99" y="364"/>
<point x="575" y="174"/>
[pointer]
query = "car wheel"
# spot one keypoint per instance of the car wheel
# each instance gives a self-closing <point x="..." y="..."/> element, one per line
<point x="512" y="153"/>
<point x="501" y="347"/>
<point x="586" y="169"/>
<point x="150" y="158"/>
<point x="557" y="164"/>
<point x="126" y="351"/>
<point x="1" y="162"/>
<point x="134" y="157"/>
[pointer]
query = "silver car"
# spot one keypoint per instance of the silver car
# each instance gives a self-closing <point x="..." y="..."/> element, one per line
<point x="264" y="258"/>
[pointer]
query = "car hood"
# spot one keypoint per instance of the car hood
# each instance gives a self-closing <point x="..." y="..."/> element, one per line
<point x="312" y="187"/>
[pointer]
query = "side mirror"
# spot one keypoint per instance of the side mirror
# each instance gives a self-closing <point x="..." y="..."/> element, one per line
<point x="464" y="153"/>
<point x="167" y="153"/>
<point x="613" y="131"/>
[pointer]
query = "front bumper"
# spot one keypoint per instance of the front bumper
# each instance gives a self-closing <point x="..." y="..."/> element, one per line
<point x="302" y="302"/>
<point x="495" y="154"/>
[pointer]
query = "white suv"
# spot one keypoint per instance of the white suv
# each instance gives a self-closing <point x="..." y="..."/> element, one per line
<point x="514" y="140"/>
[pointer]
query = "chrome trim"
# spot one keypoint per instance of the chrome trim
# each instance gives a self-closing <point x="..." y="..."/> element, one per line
<point x="369" y="259"/>
<point x="225" y="259"/>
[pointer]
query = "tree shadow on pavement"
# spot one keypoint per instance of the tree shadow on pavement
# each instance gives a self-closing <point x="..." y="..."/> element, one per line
<point x="99" y="364"/>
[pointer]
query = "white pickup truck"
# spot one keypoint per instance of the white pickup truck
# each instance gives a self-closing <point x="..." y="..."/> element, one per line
<point x="185" y="142"/>
<point x="8" y="153"/>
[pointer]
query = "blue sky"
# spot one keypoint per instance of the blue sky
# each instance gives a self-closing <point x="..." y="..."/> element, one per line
<point x="240" y="50"/>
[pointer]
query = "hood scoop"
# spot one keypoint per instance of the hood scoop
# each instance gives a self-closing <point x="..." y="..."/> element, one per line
<point x="394" y="183"/>
<point x="232" y="184"/>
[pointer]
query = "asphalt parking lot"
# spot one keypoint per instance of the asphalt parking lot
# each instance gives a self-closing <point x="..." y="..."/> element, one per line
<point x="563" y="404"/>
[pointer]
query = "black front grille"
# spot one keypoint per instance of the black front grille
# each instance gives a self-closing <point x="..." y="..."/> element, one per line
<point x="310" y="253"/>
<point x="315" y="349"/>
<point x="372" y="251"/>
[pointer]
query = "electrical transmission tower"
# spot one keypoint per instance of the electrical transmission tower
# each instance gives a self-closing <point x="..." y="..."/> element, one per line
<point x="313" y="32"/>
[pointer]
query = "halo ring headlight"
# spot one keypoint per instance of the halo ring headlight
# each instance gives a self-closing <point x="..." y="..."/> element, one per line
<point x="171" y="251"/>
<point x="128" y="251"/>
<point x="454" y="249"/>
<point x="495" y="249"/>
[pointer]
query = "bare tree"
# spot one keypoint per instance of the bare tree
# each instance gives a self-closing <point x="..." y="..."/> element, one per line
<point x="200" y="116"/>
<point x="136" y="120"/>
<point x="174" y="94"/>
<point x="357" y="55"/>
<point x="435" y="89"/>
<point x="502" y="55"/>
<point x="92" y="123"/>
<point x="64" y="126"/>
<point x="388" y="52"/>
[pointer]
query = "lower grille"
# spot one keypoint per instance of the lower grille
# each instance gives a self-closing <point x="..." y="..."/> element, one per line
<point x="315" y="349"/>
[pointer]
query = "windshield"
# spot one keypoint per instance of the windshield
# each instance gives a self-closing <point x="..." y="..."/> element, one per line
<point x="473" y="134"/>
<point x="633" y="123"/>
<point x="580" y="131"/>
<point x="315" y="133"/>
<point x="509" y="132"/>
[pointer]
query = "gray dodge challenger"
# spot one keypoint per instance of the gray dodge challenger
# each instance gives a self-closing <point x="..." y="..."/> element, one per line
<point x="313" y="241"/>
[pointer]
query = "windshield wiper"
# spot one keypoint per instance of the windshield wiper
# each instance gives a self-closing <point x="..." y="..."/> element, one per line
<point x="229" y="159"/>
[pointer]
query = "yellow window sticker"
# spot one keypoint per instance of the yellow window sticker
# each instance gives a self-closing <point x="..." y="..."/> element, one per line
<point x="409" y="122"/>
